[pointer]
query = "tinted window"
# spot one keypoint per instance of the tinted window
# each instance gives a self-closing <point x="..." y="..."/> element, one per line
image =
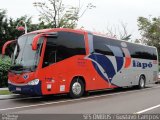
<point x="50" y="54"/>
<point x="143" y="52"/>
<point x="70" y="44"/>
<point x="66" y="45"/>
<point x="136" y="51"/>
<point x="100" y="45"/>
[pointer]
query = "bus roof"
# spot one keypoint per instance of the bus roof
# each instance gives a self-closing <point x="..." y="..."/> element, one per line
<point x="82" y="31"/>
<point x="60" y="29"/>
<point x="112" y="38"/>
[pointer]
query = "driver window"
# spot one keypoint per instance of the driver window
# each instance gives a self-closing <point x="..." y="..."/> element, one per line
<point x="50" y="54"/>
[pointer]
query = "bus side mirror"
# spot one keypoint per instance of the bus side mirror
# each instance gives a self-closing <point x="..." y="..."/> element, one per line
<point x="37" y="37"/>
<point x="6" y="45"/>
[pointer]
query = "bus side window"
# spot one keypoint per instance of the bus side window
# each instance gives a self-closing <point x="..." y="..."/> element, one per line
<point x="100" y="45"/>
<point x="50" y="55"/>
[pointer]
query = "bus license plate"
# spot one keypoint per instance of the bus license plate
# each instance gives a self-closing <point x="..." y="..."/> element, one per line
<point x="18" y="89"/>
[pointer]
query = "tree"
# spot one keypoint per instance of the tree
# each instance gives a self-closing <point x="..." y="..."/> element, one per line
<point x="3" y="26"/>
<point x="56" y="14"/>
<point x="119" y="32"/>
<point x="8" y="29"/>
<point x="5" y="64"/>
<point x="150" y="31"/>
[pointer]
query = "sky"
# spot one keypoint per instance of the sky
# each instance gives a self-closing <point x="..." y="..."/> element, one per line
<point x="108" y="14"/>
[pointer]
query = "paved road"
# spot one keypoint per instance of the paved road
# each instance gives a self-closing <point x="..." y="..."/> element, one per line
<point x="111" y="101"/>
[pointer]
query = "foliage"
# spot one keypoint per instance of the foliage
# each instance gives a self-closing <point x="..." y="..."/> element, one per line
<point x="3" y="27"/>
<point x="54" y="13"/>
<point x="8" y="26"/>
<point x="5" y="64"/>
<point x="57" y="15"/>
<point x="150" y="31"/>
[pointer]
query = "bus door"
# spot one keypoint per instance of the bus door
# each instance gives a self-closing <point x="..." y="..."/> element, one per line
<point x="49" y="66"/>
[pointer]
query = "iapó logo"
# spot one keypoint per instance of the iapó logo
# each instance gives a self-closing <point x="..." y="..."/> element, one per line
<point x="142" y="64"/>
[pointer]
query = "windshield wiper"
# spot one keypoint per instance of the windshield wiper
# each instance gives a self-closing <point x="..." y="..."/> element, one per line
<point x="17" y="67"/>
<point x="20" y="69"/>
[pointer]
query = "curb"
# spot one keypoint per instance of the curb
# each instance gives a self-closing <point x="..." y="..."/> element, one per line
<point x="12" y="96"/>
<point x="3" y="88"/>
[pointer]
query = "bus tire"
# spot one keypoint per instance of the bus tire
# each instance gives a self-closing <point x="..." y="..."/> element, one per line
<point x="142" y="82"/>
<point x="76" y="88"/>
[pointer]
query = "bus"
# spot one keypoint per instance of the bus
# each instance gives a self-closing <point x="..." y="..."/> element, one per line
<point x="68" y="61"/>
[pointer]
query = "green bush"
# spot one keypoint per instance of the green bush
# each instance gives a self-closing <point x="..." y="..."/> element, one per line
<point x="5" y="64"/>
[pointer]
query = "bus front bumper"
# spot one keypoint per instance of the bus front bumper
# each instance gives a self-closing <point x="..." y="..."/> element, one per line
<point x="25" y="89"/>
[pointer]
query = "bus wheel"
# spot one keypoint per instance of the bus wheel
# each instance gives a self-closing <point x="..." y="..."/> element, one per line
<point x="76" y="88"/>
<point x="142" y="82"/>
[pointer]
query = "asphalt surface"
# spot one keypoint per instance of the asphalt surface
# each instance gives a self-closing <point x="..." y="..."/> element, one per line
<point x="128" y="100"/>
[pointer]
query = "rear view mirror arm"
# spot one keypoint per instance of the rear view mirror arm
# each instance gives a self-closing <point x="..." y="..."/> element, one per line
<point x="5" y="46"/>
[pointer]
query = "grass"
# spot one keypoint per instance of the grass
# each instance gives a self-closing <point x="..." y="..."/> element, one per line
<point x="4" y="92"/>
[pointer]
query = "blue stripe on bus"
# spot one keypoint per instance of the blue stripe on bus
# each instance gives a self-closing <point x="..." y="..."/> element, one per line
<point x="99" y="71"/>
<point x="120" y="61"/>
<point x="118" y="55"/>
<point x="105" y="63"/>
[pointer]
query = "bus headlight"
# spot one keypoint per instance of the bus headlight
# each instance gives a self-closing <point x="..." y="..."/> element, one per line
<point x="34" y="82"/>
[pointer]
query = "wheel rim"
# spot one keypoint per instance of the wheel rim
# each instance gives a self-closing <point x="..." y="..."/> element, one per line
<point x="76" y="88"/>
<point x="142" y="82"/>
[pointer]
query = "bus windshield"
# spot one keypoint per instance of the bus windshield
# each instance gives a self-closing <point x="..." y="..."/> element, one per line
<point x="24" y="58"/>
